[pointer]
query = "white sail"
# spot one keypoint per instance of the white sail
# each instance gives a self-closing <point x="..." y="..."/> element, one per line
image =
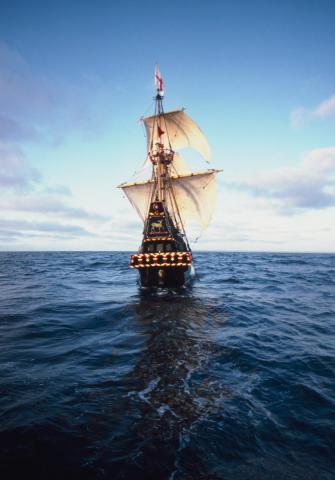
<point x="194" y="194"/>
<point x="139" y="190"/>
<point x="179" y="166"/>
<point x="139" y="195"/>
<point x="179" y="129"/>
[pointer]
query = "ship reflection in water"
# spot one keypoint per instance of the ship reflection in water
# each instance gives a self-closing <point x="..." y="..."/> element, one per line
<point x="173" y="388"/>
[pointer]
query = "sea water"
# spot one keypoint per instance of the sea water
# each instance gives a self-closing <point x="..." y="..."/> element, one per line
<point x="233" y="378"/>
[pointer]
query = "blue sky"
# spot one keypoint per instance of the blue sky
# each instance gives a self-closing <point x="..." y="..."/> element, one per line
<point x="75" y="77"/>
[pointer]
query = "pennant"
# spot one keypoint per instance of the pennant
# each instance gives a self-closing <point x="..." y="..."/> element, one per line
<point x="158" y="79"/>
<point x="160" y="132"/>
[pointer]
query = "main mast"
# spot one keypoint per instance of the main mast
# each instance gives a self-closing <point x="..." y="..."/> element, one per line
<point x="160" y="156"/>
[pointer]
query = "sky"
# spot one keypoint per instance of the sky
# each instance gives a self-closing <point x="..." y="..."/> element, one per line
<point x="257" y="76"/>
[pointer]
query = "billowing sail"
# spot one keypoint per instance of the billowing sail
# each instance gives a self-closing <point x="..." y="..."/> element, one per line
<point x="139" y="195"/>
<point x="179" y="166"/>
<point x="179" y="130"/>
<point x="194" y="194"/>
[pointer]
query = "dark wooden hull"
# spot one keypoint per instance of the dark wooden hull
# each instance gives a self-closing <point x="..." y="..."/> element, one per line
<point x="164" y="276"/>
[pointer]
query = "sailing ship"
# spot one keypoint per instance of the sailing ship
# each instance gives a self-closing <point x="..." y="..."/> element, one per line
<point x="171" y="196"/>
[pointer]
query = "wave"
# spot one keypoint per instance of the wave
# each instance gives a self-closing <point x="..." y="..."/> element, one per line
<point x="229" y="379"/>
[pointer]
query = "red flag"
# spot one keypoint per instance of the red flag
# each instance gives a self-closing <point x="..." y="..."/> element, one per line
<point x="159" y="131"/>
<point x="158" y="79"/>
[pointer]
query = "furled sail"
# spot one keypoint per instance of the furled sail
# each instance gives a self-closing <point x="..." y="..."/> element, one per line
<point x="179" y="129"/>
<point x="194" y="194"/>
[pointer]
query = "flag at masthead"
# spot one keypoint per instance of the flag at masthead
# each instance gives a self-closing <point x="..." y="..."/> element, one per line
<point x="159" y="81"/>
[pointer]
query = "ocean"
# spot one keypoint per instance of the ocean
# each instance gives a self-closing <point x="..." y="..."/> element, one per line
<point x="232" y="378"/>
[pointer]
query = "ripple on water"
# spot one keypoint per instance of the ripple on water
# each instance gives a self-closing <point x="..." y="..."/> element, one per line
<point x="232" y="378"/>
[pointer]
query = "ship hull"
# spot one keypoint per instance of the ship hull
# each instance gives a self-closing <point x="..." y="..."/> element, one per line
<point x="165" y="276"/>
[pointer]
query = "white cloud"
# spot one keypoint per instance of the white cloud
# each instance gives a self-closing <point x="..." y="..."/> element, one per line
<point x="19" y="228"/>
<point x="244" y="223"/>
<point x="287" y="209"/>
<point x="310" y="185"/>
<point x="47" y="204"/>
<point x="15" y="173"/>
<point x="27" y="205"/>
<point x="325" y="108"/>
<point x="300" y="116"/>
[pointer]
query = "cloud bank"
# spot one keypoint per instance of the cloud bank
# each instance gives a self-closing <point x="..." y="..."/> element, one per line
<point x="300" y="116"/>
<point x="310" y="185"/>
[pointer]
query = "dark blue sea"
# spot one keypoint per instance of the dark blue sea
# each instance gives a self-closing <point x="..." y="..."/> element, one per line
<point x="233" y="378"/>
